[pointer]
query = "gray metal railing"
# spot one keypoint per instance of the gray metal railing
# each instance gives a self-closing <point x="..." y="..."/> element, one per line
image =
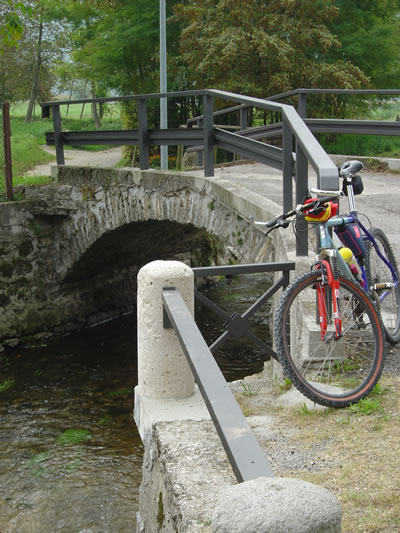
<point x="316" y="125"/>
<point x="294" y="133"/>
<point x="244" y="453"/>
<point x="237" y="325"/>
<point x="299" y="146"/>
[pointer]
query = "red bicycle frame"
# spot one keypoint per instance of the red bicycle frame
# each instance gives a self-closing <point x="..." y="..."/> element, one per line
<point x="323" y="300"/>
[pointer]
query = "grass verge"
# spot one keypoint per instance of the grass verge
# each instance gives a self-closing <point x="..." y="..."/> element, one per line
<point x="27" y="139"/>
<point x="358" y="457"/>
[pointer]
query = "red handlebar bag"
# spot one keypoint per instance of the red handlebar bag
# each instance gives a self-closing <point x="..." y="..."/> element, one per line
<point x="322" y="213"/>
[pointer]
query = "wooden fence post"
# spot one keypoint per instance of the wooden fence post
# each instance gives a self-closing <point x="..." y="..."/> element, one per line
<point x="7" y="151"/>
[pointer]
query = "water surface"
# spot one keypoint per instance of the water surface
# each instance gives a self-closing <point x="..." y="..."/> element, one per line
<point x="70" y="453"/>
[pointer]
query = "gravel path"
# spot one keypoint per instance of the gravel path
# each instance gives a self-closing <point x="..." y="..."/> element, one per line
<point x="81" y="158"/>
<point x="392" y="364"/>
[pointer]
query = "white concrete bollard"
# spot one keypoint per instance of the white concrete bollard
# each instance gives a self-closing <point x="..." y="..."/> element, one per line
<point x="163" y="372"/>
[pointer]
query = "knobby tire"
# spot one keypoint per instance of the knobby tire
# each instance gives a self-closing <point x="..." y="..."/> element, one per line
<point x="333" y="372"/>
<point x="378" y="272"/>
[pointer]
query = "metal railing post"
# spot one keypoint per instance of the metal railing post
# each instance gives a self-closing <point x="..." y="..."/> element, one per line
<point x="143" y="134"/>
<point x="244" y="117"/>
<point x="287" y="143"/>
<point x="7" y="151"/>
<point x="208" y="135"/>
<point x="200" y="154"/>
<point x="302" y="105"/>
<point x="301" y="192"/>
<point x="58" y="136"/>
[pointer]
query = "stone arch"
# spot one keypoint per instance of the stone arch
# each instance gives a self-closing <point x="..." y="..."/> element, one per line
<point x="70" y="223"/>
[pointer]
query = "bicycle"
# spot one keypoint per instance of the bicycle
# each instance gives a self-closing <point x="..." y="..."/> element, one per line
<point x="330" y="324"/>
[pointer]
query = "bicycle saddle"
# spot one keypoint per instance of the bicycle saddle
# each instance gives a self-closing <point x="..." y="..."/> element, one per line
<point x="350" y="167"/>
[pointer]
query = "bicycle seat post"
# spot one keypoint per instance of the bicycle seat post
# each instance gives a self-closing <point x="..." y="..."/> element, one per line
<point x="351" y="198"/>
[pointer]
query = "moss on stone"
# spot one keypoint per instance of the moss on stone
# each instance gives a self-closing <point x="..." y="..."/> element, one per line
<point x="6" y="270"/>
<point x="25" y="248"/>
<point x="160" y="513"/>
<point x="207" y="249"/>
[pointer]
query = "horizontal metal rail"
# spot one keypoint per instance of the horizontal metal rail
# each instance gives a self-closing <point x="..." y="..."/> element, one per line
<point x="250" y="268"/>
<point x="261" y="152"/>
<point x="359" y="92"/>
<point x="243" y="451"/>
<point x="173" y="136"/>
<point x="237" y="325"/>
<point x="361" y="127"/>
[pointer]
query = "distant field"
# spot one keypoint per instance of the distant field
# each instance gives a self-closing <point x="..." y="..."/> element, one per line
<point x="112" y="111"/>
<point x="27" y="138"/>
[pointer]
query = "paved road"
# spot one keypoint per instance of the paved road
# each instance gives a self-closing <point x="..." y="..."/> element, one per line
<point x="380" y="199"/>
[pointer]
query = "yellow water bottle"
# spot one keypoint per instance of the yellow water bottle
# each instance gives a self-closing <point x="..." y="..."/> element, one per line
<point x="348" y="256"/>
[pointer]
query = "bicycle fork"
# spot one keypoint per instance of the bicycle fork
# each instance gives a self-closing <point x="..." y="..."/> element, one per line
<point x="328" y="300"/>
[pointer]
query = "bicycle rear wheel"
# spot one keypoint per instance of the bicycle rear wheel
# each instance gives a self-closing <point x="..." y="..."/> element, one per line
<point x="330" y="371"/>
<point x="378" y="276"/>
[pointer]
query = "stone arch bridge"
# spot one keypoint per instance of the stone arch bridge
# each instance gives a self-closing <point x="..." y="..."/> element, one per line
<point x="70" y="251"/>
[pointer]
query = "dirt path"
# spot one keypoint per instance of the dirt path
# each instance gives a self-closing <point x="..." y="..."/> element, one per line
<point x="81" y="158"/>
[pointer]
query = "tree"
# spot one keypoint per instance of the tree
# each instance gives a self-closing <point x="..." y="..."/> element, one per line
<point x="11" y="24"/>
<point x="263" y="47"/>
<point x="369" y="31"/>
<point x="36" y="76"/>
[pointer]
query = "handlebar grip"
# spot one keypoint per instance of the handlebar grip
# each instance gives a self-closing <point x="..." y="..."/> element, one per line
<point x="273" y="222"/>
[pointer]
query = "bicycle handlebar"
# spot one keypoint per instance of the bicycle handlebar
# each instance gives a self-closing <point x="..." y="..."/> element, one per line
<point x="281" y="220"/>
<point x="349" y="168"/>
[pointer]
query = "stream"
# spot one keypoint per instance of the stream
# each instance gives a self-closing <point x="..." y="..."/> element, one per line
<point x="70" y="454"/>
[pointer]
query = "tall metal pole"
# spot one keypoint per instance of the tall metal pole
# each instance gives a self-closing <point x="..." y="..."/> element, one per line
<point x="163" y="82"/>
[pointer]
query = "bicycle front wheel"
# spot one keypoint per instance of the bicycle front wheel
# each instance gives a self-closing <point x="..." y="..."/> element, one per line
<point x="331" y="371"/>
<point x="384" y="290"/>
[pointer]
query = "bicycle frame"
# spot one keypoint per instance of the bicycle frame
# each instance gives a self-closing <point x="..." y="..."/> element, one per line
<point x="327" y="243"/>
<point x="328" y="249"/>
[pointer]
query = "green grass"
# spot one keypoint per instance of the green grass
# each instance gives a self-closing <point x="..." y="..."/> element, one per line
<point x="363" y="145"/>
<point x="367" y="145"/>
<point x="27" y="139"/>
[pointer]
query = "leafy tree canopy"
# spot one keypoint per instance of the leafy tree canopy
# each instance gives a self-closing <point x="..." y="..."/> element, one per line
<point x="114" y="46"/>
<point x="263" y="47"/>
<point x="369" y="31"/>
<point x="11" y="24"/>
